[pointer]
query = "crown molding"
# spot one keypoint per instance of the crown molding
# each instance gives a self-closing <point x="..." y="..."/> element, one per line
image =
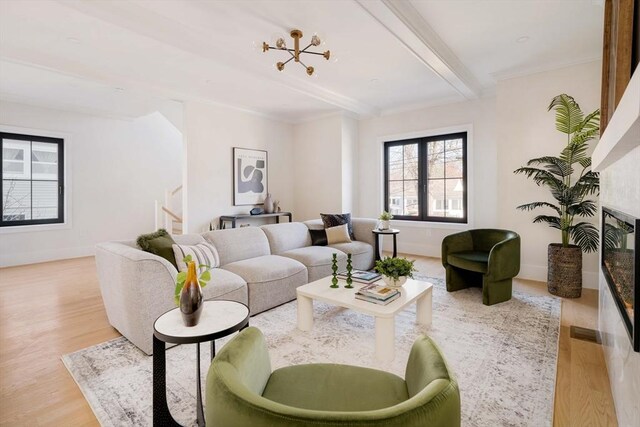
<point x="513" y="74"/>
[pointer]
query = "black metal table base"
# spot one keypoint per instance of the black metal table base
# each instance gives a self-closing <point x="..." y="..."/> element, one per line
<point x="395" y="247"/>
<point x="161" y="415"/>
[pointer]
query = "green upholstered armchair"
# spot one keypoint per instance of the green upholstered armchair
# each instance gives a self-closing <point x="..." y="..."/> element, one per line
<point x="485" y="257"/>
<point x="242" y="391"/>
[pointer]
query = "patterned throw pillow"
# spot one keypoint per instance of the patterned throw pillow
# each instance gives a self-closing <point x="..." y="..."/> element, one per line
<point x="333" y="220"/>
<point x="158" y="243"/>
<point x="338" y="234"/>
<point x="201" y="253"/>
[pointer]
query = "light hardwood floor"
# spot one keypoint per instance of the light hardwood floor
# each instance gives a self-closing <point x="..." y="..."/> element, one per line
<point x="50" y="309"/>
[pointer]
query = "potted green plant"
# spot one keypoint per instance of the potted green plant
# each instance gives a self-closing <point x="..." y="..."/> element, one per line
<point x="384" y="218"/>
<point x="570" y="181"/>
<point x="395" y="271"/>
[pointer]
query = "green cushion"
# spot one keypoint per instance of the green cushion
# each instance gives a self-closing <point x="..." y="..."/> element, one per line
<point x="331" y="387"/>
<point x="158" y="243"/>
<point x="470" y="260"/>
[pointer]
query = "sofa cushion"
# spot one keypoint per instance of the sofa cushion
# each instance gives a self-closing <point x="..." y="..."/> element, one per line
<point x="313" y="256"/>
<point x="331" y="387"/>
<point x="237" y="244"/>
<point x="470" y="260"/>
<point x="287" y="236"/>
<point x="158" y="243"/>
<point x="225" y="285"/>
<point x="361" y="253"/>
<point x="265" y="268"/>
<point x="318" y="260"/>
<point x="271" y="280"/>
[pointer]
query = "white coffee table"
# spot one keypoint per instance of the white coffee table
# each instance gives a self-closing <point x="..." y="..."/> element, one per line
<point x="412" y="291"/>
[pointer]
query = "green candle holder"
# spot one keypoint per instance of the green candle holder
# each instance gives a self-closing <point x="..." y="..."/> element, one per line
<point x="349" y="268"/>
<point x="334" y="267"/>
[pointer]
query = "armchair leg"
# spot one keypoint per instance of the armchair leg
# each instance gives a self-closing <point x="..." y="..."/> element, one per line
<point x="458" y="279"/>
<point x="495" y="291"/>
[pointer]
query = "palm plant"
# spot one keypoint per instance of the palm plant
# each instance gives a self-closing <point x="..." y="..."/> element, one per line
<point x="569" y="177"/>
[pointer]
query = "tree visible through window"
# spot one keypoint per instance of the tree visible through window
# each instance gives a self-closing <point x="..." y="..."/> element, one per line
<point x="426" y="178"/>
<point x="32" y="180"/>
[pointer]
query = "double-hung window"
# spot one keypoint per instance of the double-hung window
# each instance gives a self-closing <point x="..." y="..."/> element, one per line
<point x="426" y="178"/>
<point x="32" y="180"/>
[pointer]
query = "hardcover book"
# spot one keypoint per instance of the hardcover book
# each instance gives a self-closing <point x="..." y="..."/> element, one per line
<point x="380" y="292"/>
<point x="378" y="301"/>
<point x="361" y="276"/>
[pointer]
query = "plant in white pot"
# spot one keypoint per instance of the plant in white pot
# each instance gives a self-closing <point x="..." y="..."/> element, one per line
<point x="385" y="218"/>
<point x="395" y="271"/>
<point x="570" y="180"/>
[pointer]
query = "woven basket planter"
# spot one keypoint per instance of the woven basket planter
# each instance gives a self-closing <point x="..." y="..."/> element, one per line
<point x="564" y="277"/>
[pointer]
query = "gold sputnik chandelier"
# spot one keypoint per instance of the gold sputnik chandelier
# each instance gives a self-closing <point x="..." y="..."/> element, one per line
<point x="295" y="53"/>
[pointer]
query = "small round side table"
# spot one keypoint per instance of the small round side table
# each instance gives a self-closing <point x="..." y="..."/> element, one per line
<point x="389" y="231"/>
<point x="218" y="319"/>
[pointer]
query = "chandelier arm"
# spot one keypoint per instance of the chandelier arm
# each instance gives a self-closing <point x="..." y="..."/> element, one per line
<point x="288" y="60"/>
<point x="305" y="49"/>
<point x="316" y="53"/>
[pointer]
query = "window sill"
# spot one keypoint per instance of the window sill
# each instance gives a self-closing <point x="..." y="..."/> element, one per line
<point x="429" y="224"/>
<point x="34" y="228"/>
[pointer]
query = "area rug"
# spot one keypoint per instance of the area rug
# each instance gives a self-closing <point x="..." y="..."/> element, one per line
<point x="504" y="357"/>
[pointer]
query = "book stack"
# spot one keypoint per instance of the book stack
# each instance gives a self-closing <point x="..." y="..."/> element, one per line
<point x="361" y="276"/>
<point x="377" y="294"/>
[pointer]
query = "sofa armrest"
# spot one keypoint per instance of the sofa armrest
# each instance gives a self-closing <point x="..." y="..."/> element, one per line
<point x="456" y="242"/>
<point x="136" y="287"/>
<point x="362" y="230"/>
<point x="504" y="259"/>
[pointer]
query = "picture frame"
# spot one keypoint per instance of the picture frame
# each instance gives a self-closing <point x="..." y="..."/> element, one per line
<point x="250" y="176"/>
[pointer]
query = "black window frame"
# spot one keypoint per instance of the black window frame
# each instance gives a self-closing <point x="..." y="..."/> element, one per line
<point x="34" y="138"/>
<point x="423" y="174"/>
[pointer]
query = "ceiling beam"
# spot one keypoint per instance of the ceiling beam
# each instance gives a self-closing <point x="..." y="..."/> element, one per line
<point x="195" y="41"/>
<point x="404" y="22"/>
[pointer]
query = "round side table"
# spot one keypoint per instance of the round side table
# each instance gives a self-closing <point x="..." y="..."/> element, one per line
<point x="390" y="231"/>
<point x="218" y="319"/>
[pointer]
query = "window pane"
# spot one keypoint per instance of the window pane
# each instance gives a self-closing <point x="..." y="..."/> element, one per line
<point x="453" y="160"/>
<point x="396" y="198"/>
<point x="411" y="198"/>
<point x="16" y="198"/>
<point x="455" y="193"/>
<point x="395" y="162"/>
<point x="436" y="202"/>
<point x="44" y="159"/>
<point x="435" y="159"/>
<point x="45" y="199"/>
<point x="411" y="161"/>
<point x="14" y="153"/>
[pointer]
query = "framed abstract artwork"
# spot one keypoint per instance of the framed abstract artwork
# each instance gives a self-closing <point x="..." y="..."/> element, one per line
<point x="249" y="176"/>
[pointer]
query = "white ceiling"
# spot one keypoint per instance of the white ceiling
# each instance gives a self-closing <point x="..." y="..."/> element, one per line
<point x="391" y="54"/>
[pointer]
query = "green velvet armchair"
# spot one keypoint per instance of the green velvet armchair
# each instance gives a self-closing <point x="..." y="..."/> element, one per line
<point x="485" y="257"/>
<point x="243" y="391"/>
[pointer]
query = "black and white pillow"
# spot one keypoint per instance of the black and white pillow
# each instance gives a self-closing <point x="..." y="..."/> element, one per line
<point x="201" y="253"/>
<point x="333" y="220"/>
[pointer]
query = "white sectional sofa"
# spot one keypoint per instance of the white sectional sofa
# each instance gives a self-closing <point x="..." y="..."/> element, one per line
<point x="259" y="266"/>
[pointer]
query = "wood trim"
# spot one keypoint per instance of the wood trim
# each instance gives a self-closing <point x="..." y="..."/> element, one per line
<point x="178" y="188"/>
<point x="171" y="214"/>
<point x="606" y="56"/>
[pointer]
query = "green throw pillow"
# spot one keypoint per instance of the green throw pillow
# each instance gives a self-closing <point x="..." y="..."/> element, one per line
<point x="158" y="243"/>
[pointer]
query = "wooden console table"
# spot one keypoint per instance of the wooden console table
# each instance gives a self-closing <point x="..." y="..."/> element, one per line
<point x="232" y="218"/>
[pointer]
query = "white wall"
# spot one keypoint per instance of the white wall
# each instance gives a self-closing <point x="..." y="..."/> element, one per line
<point x="349" y="165"/>
<point x="526" y="130"/>
<point x="210" y="134"/>
<point x="318" y="167"/>
<point x="117" y="168"/>
<point x="478" y="118"/>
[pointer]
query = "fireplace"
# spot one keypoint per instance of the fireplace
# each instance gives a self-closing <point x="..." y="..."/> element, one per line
<point x="621" y="267"/>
